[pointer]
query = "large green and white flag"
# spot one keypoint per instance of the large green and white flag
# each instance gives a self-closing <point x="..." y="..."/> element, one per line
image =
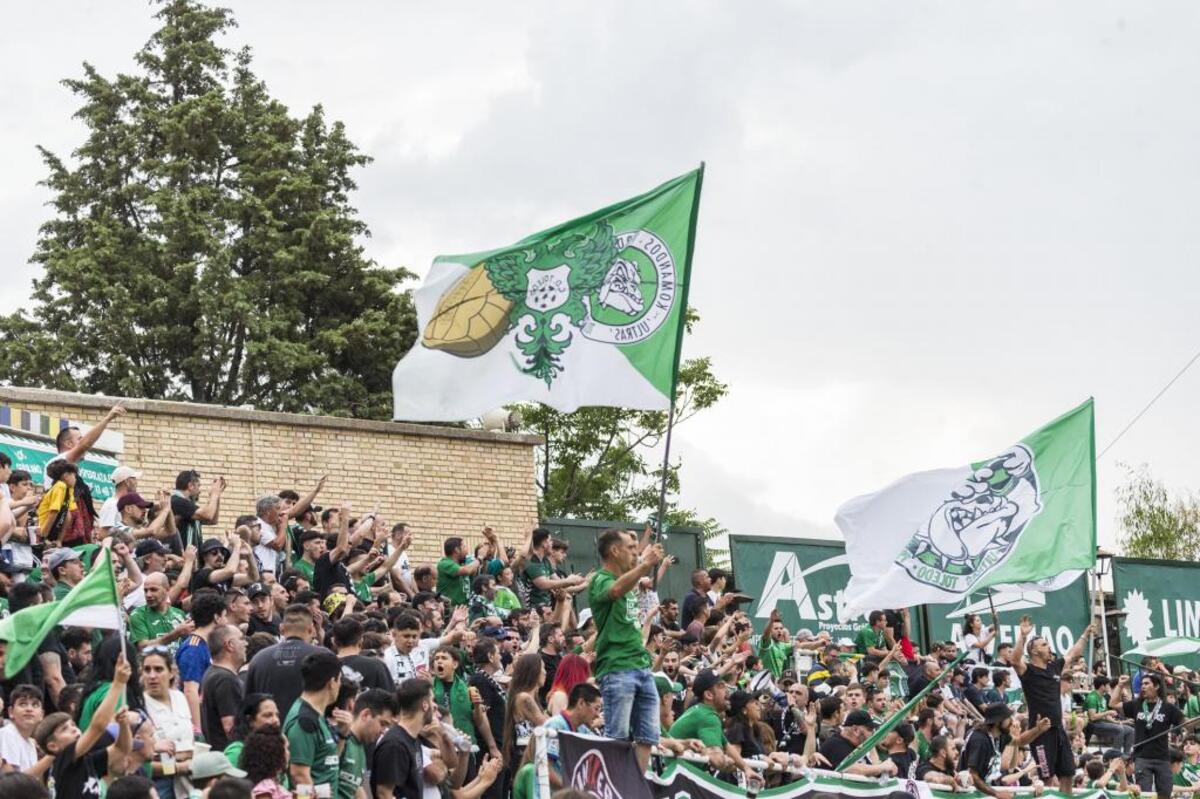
<point x="1025" y="515"/>
<point x="589" y="312"/>
<point x="94" y="602"/>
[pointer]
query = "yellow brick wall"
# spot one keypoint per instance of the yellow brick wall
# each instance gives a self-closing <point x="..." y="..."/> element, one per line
<point x="442" y="481"/>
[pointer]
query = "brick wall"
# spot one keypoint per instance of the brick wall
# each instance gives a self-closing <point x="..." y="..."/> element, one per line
<point x="443" y="481"/>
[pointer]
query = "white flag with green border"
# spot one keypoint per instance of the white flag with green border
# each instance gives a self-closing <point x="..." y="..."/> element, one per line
<point x="1024" y="515"/>
<point x="94" y="602"/>
<point x="589" y="312"/>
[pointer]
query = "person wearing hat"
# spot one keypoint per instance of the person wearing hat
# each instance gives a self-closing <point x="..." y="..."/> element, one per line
<point x="124" y="482"/>
<point x="208" y="767"/>
<point x="741" y="730"/>
<point x="1041" y="678"/>
<point x="703" y="721"/>
<point x="66" y="567"/>
<point x="219" y="569"/>
<point x="134" y="509"/>
<point x="982" y="753"/>
<point x="153" y="556"/>
<point x="856" y="728"/>
<point x="263" y="618"/>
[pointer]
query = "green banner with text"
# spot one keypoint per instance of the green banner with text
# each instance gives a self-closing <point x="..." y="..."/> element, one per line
<point x="1159" y="599"/>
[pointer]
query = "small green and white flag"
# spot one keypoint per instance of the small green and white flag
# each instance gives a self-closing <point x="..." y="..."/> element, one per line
<point x="94" y="602"/>
<point x="1025" y="515"/>
<point x="589" y="312"/>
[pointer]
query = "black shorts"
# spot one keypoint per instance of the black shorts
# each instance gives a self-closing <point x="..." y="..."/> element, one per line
<point x="1052" y="753"/>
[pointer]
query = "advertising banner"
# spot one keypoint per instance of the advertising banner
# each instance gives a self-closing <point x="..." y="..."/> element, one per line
<point x="806" y="581"/>
<point x="32" y="454"/>
<point x="1160" y="599"/>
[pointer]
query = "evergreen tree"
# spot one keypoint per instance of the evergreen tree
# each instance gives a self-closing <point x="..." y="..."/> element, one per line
<point x="203" y="246"/>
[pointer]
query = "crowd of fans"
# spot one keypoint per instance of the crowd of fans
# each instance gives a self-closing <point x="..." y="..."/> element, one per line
<point x="297" y="651"/>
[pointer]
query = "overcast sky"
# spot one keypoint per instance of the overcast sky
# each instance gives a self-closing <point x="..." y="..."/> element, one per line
<point x="926" y="230"/>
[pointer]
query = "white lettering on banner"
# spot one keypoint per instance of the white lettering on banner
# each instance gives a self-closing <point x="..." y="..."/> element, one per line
<point x="1186" y="620"/>
<point x="786" y="583"/>
<point x="1060" y="638"/>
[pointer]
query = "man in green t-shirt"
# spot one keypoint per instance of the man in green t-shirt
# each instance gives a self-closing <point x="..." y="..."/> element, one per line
<point x="622" y="663"/>
<point x="314" y="752"/>
<point x="704" y="720"/>
<point x="1103" y="719"/>
<point x="539" y="571"/>
<point x="775" y="649"/>
<point x="312" y="547"/>
<point x="373" y="711"/>
<point x="454" y="573"/>
<point x="158" y="622"/>
<point x="871" y="641"/>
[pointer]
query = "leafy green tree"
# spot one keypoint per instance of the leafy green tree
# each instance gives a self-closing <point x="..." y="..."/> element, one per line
<point x="605" y="463"/>
<point x="1155" y="524"/>
<point x="203" y="246"/>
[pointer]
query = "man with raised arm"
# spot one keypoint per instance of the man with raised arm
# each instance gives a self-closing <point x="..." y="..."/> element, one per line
<point x="1040" y="679"/>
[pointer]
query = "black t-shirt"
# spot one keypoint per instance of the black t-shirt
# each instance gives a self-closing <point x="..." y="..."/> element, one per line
<point x="184" y="509"/>
<point x="493" y="697"/>
<point x="257" y="625"/>
<point x="916" y="685"/>
<point x="925" y="767"/>
<point x="201" y="580"/>
<point x="981" y="754"/>
<point x="1149" y="720"/>
<point x="691" y="603"/>
<point x="740" y="733"/>
<point x="894" y="620"/>
<point x="397" y="762"/>
<point x="220" y="695"/>
<point x="276" y="671"/>
<point x="974" y="696"/>
<point x="551" y="664"/>
<point x="905" y="761"/>
<point x="367" y="671"/>
<point x="1042" y="694"/>
<point x="79" y="779"/>
<point x="836" y="749"/>
<point x="791" y="731"/>
<point x="327" y="574"/>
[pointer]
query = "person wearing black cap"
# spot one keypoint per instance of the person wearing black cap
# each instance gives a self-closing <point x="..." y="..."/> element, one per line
<point x="263" y="618"/>
<point x="703" y="720"/>
<point x="898" y="744"/>
<point x="1041" y="677"/>
<point x="220" y="565"/>
<point x="856" y="728"/>
<point x="983" y="751"/>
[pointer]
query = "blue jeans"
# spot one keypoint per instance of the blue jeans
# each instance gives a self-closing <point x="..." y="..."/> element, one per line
<point x="630" y="705"/>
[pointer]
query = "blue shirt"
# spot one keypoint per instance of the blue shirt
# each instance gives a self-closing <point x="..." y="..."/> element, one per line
<point x="193" y="659"/>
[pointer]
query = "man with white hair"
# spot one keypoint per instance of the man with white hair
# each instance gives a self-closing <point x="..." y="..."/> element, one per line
<point x="124" y="482"/>
<point x="270" y="538"/>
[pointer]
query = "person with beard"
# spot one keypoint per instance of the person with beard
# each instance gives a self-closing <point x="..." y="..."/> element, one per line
<point x="898" y="745"/>
<point x="73" y="446"/>
<point x="940" y="767"/>
<point x="703" y="720"/>
<point x="983" y="753"/>
<point x="263" y="618"/>
<point x="1152" y="716"/>
<point x="1040" y="680"/>
<point x="397" y="762"/>
<point x="855" y="729"/>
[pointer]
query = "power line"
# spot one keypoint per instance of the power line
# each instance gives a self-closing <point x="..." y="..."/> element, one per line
<point x="1149" y="404"/>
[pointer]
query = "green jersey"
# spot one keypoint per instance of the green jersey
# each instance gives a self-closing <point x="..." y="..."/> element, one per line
<point x="451" y="583"/>
<point x="352" y="768"/>
<point x="305" y="568"/>
<point x="146" y="623"/>
<point x="535" y="568"/>
<point x="701" y="722"/>
<point x="868" y="637"/>
<point x="506" y="599"/>
<point x="311" y="743"/>
<point x="1095" y="702"/>
<point x="457" y="700"/>
<point x="619" y="644"/>
<point x="523" y="783"/>
<point x="774" y="656"/>
<point x="362" y="587"/>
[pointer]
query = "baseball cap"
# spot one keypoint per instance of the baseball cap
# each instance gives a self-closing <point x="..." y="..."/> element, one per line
<point x="123" y="473"/>
<point x="665" y="686"/>
<point x="255" y="590"/>
<point x="844" y="642"/>
<point x="60" y="556"/>
<point x="213" y="764"/>
<point x="132" y="498"/>
<point x="739" y="699"/>
<point x="149" y="546"/>
<point x="705" y="681"/>
<point x="585" y="616"/>
<point x="859" y="718"/>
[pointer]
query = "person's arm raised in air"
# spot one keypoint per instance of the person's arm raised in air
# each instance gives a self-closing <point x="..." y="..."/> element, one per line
<point x="342" y="547"/>
<point x="306" y="501"/>
<point x="647" y="560"/>
<point x="185" y="575"/>
<point x="1077" y="648"/>
<point x="228" y="571"/>
<point x="158" y="525"/>
<point x="88" y="440"/>
<point x="251" y="575"/>
<point x="104" y="714"/>
<point x="210" y="512"/>
<point x="1018" y="654"/>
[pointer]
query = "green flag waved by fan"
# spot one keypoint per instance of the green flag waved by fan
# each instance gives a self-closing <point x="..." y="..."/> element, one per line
<point x="94" y="602"/>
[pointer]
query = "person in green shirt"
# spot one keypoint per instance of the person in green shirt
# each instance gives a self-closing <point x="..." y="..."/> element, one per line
<point x="775" y="649"/>
<point x="539" y="571"/>
<point x="158" y="622"/>
<point x="622" y="664"/>
<point x="1103" y="719"/>
<point x="871" y="640"/>
<point x="312" y="547"/>
<point x="505" y="597"/>
<point x="66" y="567"/>
<point x="314" y="752"/>
<point x="373" y="711"/>
<point x="451" y="694"/>
<point x="454" y="573"/>
<point x="704" y="720"/>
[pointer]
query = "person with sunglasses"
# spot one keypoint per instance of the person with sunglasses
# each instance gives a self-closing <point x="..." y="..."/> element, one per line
<point x="172" y="721"/>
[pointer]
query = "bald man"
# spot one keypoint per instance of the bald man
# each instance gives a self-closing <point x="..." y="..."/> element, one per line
<point x="158" y="623"/>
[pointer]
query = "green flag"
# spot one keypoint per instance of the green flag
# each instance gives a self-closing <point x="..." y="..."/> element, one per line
<point x="894" y="720"/>
<point x="589" y="312"/>
<point x="95" y="602"/>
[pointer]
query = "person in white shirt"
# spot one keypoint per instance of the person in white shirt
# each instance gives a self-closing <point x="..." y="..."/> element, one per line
<point x="406" y="657"/>
<point x="17" y="749"/>
<point x="172" y="719"/>
<point x="124" y="482"/>
<point x="270" y="539"/>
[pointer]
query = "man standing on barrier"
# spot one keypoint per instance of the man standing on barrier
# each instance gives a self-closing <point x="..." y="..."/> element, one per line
<point x="1040" y="680"/>
<point x="622" y="664"/>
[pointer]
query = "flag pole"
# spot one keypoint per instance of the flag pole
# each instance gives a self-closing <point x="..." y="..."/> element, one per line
<point x="683" y="309"/>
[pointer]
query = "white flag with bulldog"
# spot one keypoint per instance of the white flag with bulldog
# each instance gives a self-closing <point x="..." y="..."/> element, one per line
<point x="1026" y="514"/>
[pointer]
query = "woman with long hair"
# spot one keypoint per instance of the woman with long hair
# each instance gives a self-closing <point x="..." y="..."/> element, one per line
<point x="522" y="712"/>
<point x="265" y="754"/>
<point x="572" y="670"/>
<point x="104" y="666"/>
<point x="172" y="718"/>
<point x="976" y="639"/>
<point x="258" y="711"/>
